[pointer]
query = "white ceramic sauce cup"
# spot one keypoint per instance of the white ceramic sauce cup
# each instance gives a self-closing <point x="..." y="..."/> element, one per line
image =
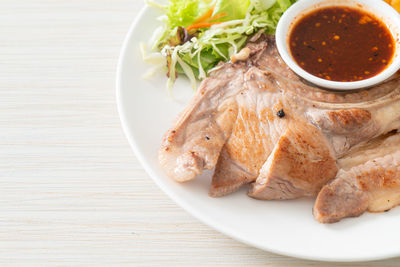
<point x="379" y="8"/>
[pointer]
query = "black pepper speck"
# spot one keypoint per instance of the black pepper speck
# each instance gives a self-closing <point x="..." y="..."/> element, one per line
<point x="280" y="113"/>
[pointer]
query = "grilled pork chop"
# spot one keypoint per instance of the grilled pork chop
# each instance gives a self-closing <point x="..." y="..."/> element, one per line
<point x="256" y="122"/>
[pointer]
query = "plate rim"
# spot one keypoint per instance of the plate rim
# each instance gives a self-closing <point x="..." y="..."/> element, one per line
<point x="178" y="200"/>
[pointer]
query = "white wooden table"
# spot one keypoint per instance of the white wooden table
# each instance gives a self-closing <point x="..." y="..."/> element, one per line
<point x="71" y="191"/>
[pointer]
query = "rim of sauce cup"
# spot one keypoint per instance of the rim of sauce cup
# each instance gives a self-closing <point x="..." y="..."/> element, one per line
<point x="379" y="8"/>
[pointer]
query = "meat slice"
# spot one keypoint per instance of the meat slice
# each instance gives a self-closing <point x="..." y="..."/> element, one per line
<point x="232" y="124"/>
<point x="228" y="176"/>
<point x="301" y="163"/>
<point x="195" y="141"/>
<point x="256" y="130"/>
<point x="370" y="180"/>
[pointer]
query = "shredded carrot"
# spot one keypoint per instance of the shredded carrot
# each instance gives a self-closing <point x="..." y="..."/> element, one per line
<point x="205" y="20"/>
<point x="205" y="16"/>
<point x="218" y="16"/>
<point x="201" y="25"/>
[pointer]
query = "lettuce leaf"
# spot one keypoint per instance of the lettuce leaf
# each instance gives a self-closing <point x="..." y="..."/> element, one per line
<point x="234" y="9"/>
<point x="284" y="4"/>
<point x="262" y="5"/>
<point x="185" y="12"/>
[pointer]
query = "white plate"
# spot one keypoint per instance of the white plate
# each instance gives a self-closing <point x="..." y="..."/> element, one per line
<point x="283" y="227"/>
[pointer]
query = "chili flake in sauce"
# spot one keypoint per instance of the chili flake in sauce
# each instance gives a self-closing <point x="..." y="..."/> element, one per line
<point x="341" y="44"/>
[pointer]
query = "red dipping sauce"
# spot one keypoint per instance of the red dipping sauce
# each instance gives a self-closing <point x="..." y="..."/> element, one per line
<point x="341" y="44"/>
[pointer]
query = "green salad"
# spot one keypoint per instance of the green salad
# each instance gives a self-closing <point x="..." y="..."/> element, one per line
<point x="197" y="34"/>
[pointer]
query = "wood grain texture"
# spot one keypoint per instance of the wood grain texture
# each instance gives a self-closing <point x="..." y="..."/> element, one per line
<point x="71" y="191"/>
